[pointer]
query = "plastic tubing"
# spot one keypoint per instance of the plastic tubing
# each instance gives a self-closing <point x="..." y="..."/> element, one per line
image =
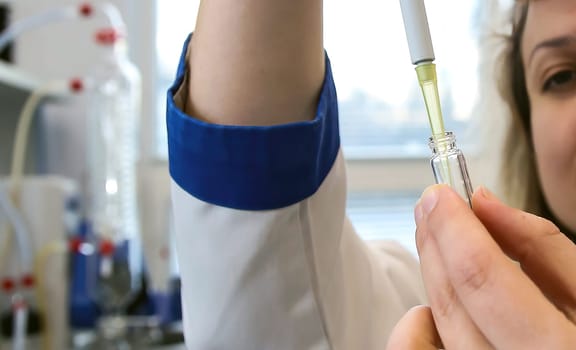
<point x="70" y="12"/>
<point x="10" y="199"/>
<point x="23" y="131"/>
<point x="19" y="154"/>
<point x="20" y="309"/>
<point x="19" y="226"/>
<point x="39" y="20"/>
<point x="40" y="262"/>
<point x="113" y="15"/>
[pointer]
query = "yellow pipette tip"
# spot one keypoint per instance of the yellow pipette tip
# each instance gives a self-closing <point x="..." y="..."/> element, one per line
<point x="429" y="84"/>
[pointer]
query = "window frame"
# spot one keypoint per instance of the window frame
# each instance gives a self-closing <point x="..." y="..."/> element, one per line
<point x="140" y="17"/>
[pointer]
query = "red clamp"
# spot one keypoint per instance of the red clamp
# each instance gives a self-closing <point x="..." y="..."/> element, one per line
<point x="28" y="281"/>
<point x="8" y="285"/>
<point x="76" y="85"/>
<point x="108" y="36"/>
<point x="75" y="244"/>
<point x="86" y="9"/>
<point x="107" y="247"/>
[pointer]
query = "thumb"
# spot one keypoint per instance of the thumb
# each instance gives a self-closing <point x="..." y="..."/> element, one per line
<point x="545" y="254"/>
<point x="416" y="330"/>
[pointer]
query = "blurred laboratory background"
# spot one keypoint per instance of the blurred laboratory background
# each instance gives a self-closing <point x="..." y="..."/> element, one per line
<point x="87" y="258"/>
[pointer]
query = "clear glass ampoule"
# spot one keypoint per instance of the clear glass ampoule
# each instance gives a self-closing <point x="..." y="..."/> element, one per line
<point x="449" y="165"/>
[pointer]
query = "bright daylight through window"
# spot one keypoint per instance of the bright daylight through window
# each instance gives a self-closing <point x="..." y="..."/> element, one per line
<point x="381" y="110"/>
<point x="382" y="114"/>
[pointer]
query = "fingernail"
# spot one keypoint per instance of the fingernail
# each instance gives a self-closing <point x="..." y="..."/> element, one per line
<point x="429" y="199"/>
<point x="488" y="195"/>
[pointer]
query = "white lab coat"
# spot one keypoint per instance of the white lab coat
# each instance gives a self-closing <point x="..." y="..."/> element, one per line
<point x="294" y="276"/>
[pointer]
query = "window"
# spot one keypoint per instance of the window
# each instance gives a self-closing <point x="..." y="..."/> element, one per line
<point x="381" y="108"/>
<point x="174" y="20"/>
<point x="383" y="122"/>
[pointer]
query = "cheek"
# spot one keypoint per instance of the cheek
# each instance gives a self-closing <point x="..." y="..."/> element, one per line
<point x="553" y="133"/>
<point x="545" y="137"/>
<point x="554" y="139"/>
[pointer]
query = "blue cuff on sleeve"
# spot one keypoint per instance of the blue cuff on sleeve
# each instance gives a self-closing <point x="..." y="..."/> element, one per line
<point x="252" y="167"/>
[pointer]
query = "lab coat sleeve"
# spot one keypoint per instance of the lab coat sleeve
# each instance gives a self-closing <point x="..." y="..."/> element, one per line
<point x="268" y="258"/>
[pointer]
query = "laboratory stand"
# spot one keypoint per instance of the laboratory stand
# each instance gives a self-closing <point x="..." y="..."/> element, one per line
<point x="86" y="251"/>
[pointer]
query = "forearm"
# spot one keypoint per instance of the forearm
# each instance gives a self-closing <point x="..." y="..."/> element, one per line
<point x="256" y="62"/>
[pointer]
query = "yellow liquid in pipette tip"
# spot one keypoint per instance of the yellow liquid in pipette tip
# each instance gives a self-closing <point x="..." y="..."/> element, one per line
<point x="428" y="82"/>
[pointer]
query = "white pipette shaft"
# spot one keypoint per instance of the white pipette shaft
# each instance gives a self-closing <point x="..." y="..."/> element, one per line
<point x="417" y="31"/>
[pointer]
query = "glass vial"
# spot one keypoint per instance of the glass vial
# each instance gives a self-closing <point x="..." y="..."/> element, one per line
<point x="449" y="166"/>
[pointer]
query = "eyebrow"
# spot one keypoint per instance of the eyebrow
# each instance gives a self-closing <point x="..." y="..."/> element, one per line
<point x="561" y="41"/>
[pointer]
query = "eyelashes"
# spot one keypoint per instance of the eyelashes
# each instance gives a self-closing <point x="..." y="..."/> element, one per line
<point x="561" y="81"/>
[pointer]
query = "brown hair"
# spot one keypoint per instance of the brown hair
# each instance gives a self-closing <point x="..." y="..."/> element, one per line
<point x="519" y="178"/>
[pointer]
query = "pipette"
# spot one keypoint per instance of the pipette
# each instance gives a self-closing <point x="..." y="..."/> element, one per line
<point x="422" y="55"/>
<point x="448" y="163"/>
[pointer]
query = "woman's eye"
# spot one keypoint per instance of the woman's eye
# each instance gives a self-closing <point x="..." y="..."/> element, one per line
<point x="560" y="81"/>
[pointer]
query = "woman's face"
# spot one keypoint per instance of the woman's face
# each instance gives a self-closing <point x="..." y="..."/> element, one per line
<point x="549" y="57"/>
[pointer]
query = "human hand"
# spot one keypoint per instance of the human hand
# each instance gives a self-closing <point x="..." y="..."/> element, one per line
<point x="479" y="298"/>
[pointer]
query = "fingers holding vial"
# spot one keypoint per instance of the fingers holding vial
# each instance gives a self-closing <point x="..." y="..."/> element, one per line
<point x="476" y="292"/>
